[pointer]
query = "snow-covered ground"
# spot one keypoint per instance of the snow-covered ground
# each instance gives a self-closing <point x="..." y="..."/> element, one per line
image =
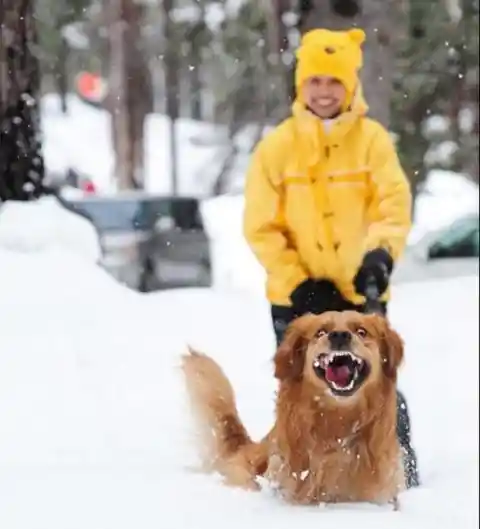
<point x="43" y="225"/>
<point x="94" y="429"/>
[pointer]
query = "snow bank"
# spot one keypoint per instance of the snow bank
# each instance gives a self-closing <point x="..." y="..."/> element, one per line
<point x="94" y="430"/>
<point x="87" y="365"/>
<point x="59" y="278"/>
<point x="44" y="225"/>
<point x="445" y="197"/>
<point x="234" y="264"/>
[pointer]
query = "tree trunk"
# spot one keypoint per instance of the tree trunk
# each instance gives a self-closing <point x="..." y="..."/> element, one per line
<point x="194" y="74"/>
<point x="130" y="92"/>
<point x="277" y="43"/>
<point x="464" y="91"/>
<point x="196" y="38"/>
<point x="171" y="62"/>
<point x="382" y="22"/>
<point x="21" y="163"/>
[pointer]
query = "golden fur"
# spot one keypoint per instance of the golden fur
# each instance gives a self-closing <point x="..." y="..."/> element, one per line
<point x="322" y="447"/>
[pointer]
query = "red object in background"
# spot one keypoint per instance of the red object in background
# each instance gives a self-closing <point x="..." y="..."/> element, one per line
<point x="91" y="87"/>
<point x="88" y="187"/>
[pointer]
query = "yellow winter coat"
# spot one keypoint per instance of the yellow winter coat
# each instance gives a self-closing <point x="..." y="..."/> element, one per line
<point x="317" y="200"/>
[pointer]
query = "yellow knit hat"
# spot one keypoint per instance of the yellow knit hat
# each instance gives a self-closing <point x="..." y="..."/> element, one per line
<point x="337" y="54"/>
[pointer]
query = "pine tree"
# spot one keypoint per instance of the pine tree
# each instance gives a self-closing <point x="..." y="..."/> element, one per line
<point x="436" y="74"/>
<point x="130" y="95"/>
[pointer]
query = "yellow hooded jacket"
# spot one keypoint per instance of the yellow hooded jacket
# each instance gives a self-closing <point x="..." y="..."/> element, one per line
<point x="317" y="200"/>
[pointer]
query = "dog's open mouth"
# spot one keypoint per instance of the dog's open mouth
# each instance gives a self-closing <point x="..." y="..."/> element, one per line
<point x="343" y="371"/>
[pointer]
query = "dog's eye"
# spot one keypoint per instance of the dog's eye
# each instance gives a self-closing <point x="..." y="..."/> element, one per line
<point x="361" y="332"/>
<point x="321" y="333"/>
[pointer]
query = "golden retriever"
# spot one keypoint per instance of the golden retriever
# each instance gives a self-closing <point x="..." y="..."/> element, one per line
<point x="334" y="437"/>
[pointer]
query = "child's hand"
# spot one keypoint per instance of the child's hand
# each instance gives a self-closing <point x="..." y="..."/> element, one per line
<point x="377" y="263"/>
<point x="316" y="296"/>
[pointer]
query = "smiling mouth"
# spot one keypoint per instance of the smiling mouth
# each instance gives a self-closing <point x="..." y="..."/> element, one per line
<point x="343" y="371"/>
<point x="325" y="102"/>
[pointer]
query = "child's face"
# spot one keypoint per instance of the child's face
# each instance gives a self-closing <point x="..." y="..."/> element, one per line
<point x="324" y="95"/>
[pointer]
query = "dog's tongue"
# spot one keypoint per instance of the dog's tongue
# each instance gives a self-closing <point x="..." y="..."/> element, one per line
<point x="338" y="374"/>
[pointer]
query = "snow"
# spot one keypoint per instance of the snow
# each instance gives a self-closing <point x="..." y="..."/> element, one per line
<point x="80" y="139"/>
<point x="45" y="225"/>
<point x="440" y="125"/>
<point x="215" y="14"/>
<point x="75" y="37"/>
<point x="94" y="429"/>
<point x="445" y="197"/>
<point x="234" y="264"/>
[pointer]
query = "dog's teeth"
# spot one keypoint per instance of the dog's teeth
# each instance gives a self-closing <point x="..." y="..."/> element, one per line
<point x="336" y="354"/>
<point x="325" y="361"/>
<point x="345" y="388"/>
<point x="354" y="358"/>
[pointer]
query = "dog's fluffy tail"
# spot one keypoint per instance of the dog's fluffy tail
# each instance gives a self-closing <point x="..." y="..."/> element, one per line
<point x="225" y="445"/>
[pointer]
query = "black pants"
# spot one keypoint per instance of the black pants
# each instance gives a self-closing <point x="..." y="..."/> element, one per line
<point x="283" y="316"/>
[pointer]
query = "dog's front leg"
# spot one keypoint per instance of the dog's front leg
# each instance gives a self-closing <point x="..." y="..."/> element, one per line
<point x="300" y="488"/>
<point x="238" y="473"/>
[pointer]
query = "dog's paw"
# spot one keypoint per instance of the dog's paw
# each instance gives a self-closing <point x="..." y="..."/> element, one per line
<point x="243" y="481"/>
<point x="395" y="503"/>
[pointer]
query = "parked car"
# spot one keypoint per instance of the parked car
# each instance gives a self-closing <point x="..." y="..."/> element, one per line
<point x="150" y="242"/>
<point x="449" y="252"/>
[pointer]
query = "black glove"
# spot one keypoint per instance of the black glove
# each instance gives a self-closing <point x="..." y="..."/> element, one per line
<point x="315" y="296"/>
<point x="378" y="264"/>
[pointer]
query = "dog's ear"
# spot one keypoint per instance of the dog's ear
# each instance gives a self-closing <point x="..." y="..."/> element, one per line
<point x="391" y="350"/>
<point x="289" y="359"/>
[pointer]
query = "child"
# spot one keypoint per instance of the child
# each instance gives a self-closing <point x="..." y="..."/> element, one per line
<point x="327" y="204"/>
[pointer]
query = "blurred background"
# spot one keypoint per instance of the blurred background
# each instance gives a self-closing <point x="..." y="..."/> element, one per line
<point x="142" y="115"/>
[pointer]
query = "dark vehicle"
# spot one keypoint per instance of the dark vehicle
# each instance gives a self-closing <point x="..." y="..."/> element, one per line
<point x="150" y="242"/>
<point x="449" y="252"/>
<point x="460" y="240"/>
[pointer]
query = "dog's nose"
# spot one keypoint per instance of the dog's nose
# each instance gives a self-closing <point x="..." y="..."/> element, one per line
<point x="339" y="339"/>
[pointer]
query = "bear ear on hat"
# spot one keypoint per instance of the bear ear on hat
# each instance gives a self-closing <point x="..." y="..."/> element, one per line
<point x="357" y="35"/>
